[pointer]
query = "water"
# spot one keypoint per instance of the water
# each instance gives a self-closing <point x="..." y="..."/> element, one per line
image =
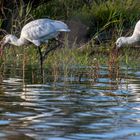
<point x="79" y="106"/>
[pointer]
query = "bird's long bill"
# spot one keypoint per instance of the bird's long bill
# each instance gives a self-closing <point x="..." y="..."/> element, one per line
<point x="1" y="47"/>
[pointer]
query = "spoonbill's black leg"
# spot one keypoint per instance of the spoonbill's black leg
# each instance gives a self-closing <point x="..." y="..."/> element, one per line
<point x="51" y="49"/>
<point x="41" y="60"/>
<point x="43" y="55"/>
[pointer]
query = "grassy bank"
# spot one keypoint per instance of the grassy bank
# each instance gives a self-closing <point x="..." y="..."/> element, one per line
<point x="98" y="15"/>
<point x="67" y="57"/>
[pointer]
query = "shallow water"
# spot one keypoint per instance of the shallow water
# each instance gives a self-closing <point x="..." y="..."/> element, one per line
<point x="76" y="106"/>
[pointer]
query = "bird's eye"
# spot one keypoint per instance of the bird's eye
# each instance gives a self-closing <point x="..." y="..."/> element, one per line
<point x="117" y="44"/>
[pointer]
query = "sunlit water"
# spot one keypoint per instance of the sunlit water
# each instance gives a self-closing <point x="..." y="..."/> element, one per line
<point x="75" y="106"/>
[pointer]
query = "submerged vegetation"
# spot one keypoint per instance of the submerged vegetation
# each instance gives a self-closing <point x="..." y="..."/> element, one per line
<point x="105" y="20"/>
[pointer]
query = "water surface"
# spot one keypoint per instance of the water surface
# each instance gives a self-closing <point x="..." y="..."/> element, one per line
<point x="78" y="106"/>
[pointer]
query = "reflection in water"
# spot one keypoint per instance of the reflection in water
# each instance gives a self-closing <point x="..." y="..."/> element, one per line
<point x="73" y="107"/>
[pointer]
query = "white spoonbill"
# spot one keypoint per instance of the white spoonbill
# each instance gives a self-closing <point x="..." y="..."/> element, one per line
<point x="37" y="32"/>
<point x="131" y="40"/>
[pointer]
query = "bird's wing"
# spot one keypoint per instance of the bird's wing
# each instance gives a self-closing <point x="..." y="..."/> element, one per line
<point x="37" y="29"/>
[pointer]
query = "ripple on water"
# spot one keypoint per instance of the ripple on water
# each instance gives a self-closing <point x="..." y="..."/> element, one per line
<point x="72" y="108"/>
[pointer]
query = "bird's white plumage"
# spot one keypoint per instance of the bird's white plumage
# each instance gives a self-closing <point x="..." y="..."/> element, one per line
<point x="38" y="31"/>
<point x="43" y="29"/>
<point x="131" y="40"/>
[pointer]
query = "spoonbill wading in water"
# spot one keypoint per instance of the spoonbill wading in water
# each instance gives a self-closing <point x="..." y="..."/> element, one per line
<point x="37" y="32"/>
<point x="131" y="40"/>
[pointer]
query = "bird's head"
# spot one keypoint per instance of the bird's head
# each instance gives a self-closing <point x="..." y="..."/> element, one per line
<point x="7" y="39"/>
<point x="120" y="42"/>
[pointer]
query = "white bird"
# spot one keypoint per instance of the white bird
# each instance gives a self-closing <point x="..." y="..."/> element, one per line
<point x="131" y="40"/>
<point x="37" y="32"/>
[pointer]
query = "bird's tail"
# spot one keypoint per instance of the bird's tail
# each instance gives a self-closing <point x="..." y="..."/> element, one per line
<point x="64" y="30"/>
<point x="61" y="26"/>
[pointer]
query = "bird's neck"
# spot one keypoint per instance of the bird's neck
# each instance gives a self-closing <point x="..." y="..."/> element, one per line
<point x="18" y="41"/>
<point x="131" y="40"/>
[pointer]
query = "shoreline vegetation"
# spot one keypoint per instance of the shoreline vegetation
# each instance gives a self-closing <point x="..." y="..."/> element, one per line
<point x="94" y="24"/>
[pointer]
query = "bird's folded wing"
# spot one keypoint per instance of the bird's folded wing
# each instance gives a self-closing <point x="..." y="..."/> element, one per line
<point x="37" y="30"/>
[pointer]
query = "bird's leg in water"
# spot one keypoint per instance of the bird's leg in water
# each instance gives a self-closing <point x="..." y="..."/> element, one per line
<point x="43" y="56"/>
<point x="51" y="49"/>
<point x="41" y="60"/>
